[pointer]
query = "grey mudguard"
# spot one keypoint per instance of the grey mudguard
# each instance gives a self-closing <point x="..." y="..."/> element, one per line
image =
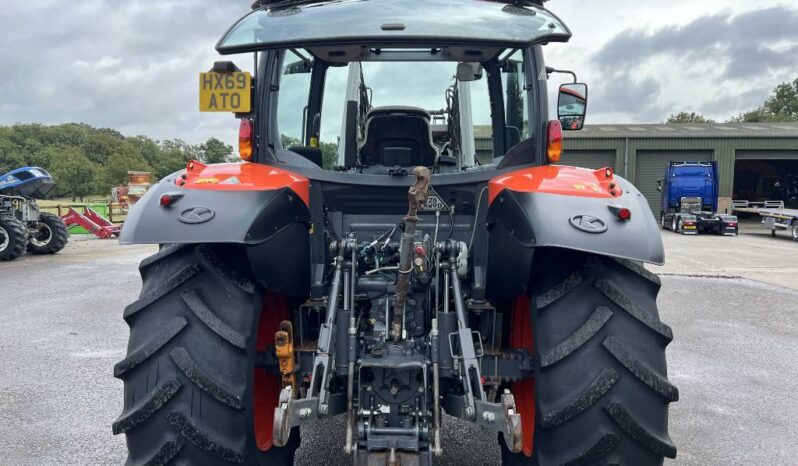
<point x="552" y="220"/>
<point x="244" y="217"/>
<point x="521" y="222"/>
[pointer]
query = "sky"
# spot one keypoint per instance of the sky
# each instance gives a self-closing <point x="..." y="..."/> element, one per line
<point x="132" y="65"/>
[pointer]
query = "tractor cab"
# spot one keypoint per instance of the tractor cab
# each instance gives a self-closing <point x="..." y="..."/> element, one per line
<point x="28" y="182"/>
<point x="22" y="226"/>
<point x="379" y="87"/>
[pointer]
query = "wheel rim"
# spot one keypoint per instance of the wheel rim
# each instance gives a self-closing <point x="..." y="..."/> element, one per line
<point x="43" y="237"/>
<point x="522" y="337"/>
<point x="673" y="225"/>
<point x="3" y="239"/>
<point x="795" y="231"/>
<point x="679" y="225"/>
<point x="266" y="387"/>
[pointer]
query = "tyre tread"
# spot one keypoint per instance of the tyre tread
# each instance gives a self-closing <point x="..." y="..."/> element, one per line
<point x="580" y="275"/>
<point x="165" y="454"/>
<point x="202" y="440"/>
<point x="203" y="381"/>
<point x="624" y="419"/>
<point x="212" y="261"/>
<point x="204" y="314"/>
<point x="163" y="253"/>
<point x="150" y="347"/>
<point x="601" y="390"/>
<point x="639" y="269"/>
<point x="20" y="233"/>
<point x="616" y="295"/>
<point x="645" y="374"/>
<point x="140" y="413"/>
<point x="59" y="239"/>
<point x="597" y="389"/>
<point x="182" y="276"/>
<point x="192" y="324"/>
<point x="600" y="449"/>
<point x="575" y="341"/>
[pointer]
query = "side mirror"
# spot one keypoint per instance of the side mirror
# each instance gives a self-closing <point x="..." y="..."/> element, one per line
<point x="467" y="71"/>
<point x="572" y="106"/>
<point x="659" y="185"/>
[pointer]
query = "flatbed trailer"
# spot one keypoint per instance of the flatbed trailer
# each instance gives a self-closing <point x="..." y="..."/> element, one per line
<point x="753" y="207"/>
<point x="780" y="219"/>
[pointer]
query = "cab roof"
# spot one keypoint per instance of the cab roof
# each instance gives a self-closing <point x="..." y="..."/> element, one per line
<point x="394" y="24"/>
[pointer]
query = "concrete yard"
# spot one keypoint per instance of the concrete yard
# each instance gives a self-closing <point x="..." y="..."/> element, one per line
<point x="754" y="255"/>
<point x="733" y="356"/>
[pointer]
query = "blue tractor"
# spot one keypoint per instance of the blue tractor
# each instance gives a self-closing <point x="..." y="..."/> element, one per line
<point x="22" y="226"/>
<point x="690" y="200"/>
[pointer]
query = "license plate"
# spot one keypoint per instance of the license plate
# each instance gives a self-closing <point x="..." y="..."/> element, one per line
<point x="225" y="92"/>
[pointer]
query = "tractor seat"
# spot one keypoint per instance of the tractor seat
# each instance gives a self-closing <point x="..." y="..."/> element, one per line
<point x="398" y="136"/>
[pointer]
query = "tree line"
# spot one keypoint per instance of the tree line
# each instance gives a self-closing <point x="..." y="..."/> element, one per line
<point x="91" y="161"/>
<point x="782" y="105"/>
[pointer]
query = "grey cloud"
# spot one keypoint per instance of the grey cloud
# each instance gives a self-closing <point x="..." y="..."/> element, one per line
<point x="746" y="55"/>
<point x="625" y="94"/>
<point x="742" y="44"/>
<point x="129" y="65"/>
<point x="729" y="104"/>
<point x="750" y="59"/>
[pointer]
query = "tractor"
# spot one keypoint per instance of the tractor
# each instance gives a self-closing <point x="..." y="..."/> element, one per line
<point x="22" y="226"/>
<point x="398" y="242"/>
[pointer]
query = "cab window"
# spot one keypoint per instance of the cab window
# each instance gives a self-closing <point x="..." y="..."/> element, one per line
<point x="292" y="102"/>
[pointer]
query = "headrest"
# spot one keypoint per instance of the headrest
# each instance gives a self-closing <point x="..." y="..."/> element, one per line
<point x="398" y="110"/>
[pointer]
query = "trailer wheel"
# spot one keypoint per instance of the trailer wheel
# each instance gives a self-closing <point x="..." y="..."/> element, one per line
<point x="673" y="224"/>
<point x="679" y="226"/>
<point x="51" y="237"/>
<point x="794" y="230"/>
<point x="662" y="221"/>
<point x="601" y="391"/>
<point x="190" y="372"/>
<point x="13" y="238"/>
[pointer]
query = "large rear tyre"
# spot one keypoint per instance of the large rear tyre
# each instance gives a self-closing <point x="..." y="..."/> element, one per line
<point x="794" y="230"/>
<point x="601" y="387"/>
<point x="13" y="238"/>
<point x="190" y="368"/>
<point x="51" y="237"/>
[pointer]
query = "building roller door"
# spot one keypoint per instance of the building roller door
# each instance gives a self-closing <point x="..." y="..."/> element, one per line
<point x="766" y="155"/>
<point x="589" y="158"/>
<point x="766" y="176"/>
<point x="650" y="166"/>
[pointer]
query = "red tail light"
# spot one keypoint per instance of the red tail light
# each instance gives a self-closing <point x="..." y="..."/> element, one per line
<point x="624" y="214"/>
<point x="245" y="143"/>
<point x="554" y="138"/>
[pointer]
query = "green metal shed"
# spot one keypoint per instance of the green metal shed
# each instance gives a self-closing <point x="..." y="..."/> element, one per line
<point x="642" y="151"/>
